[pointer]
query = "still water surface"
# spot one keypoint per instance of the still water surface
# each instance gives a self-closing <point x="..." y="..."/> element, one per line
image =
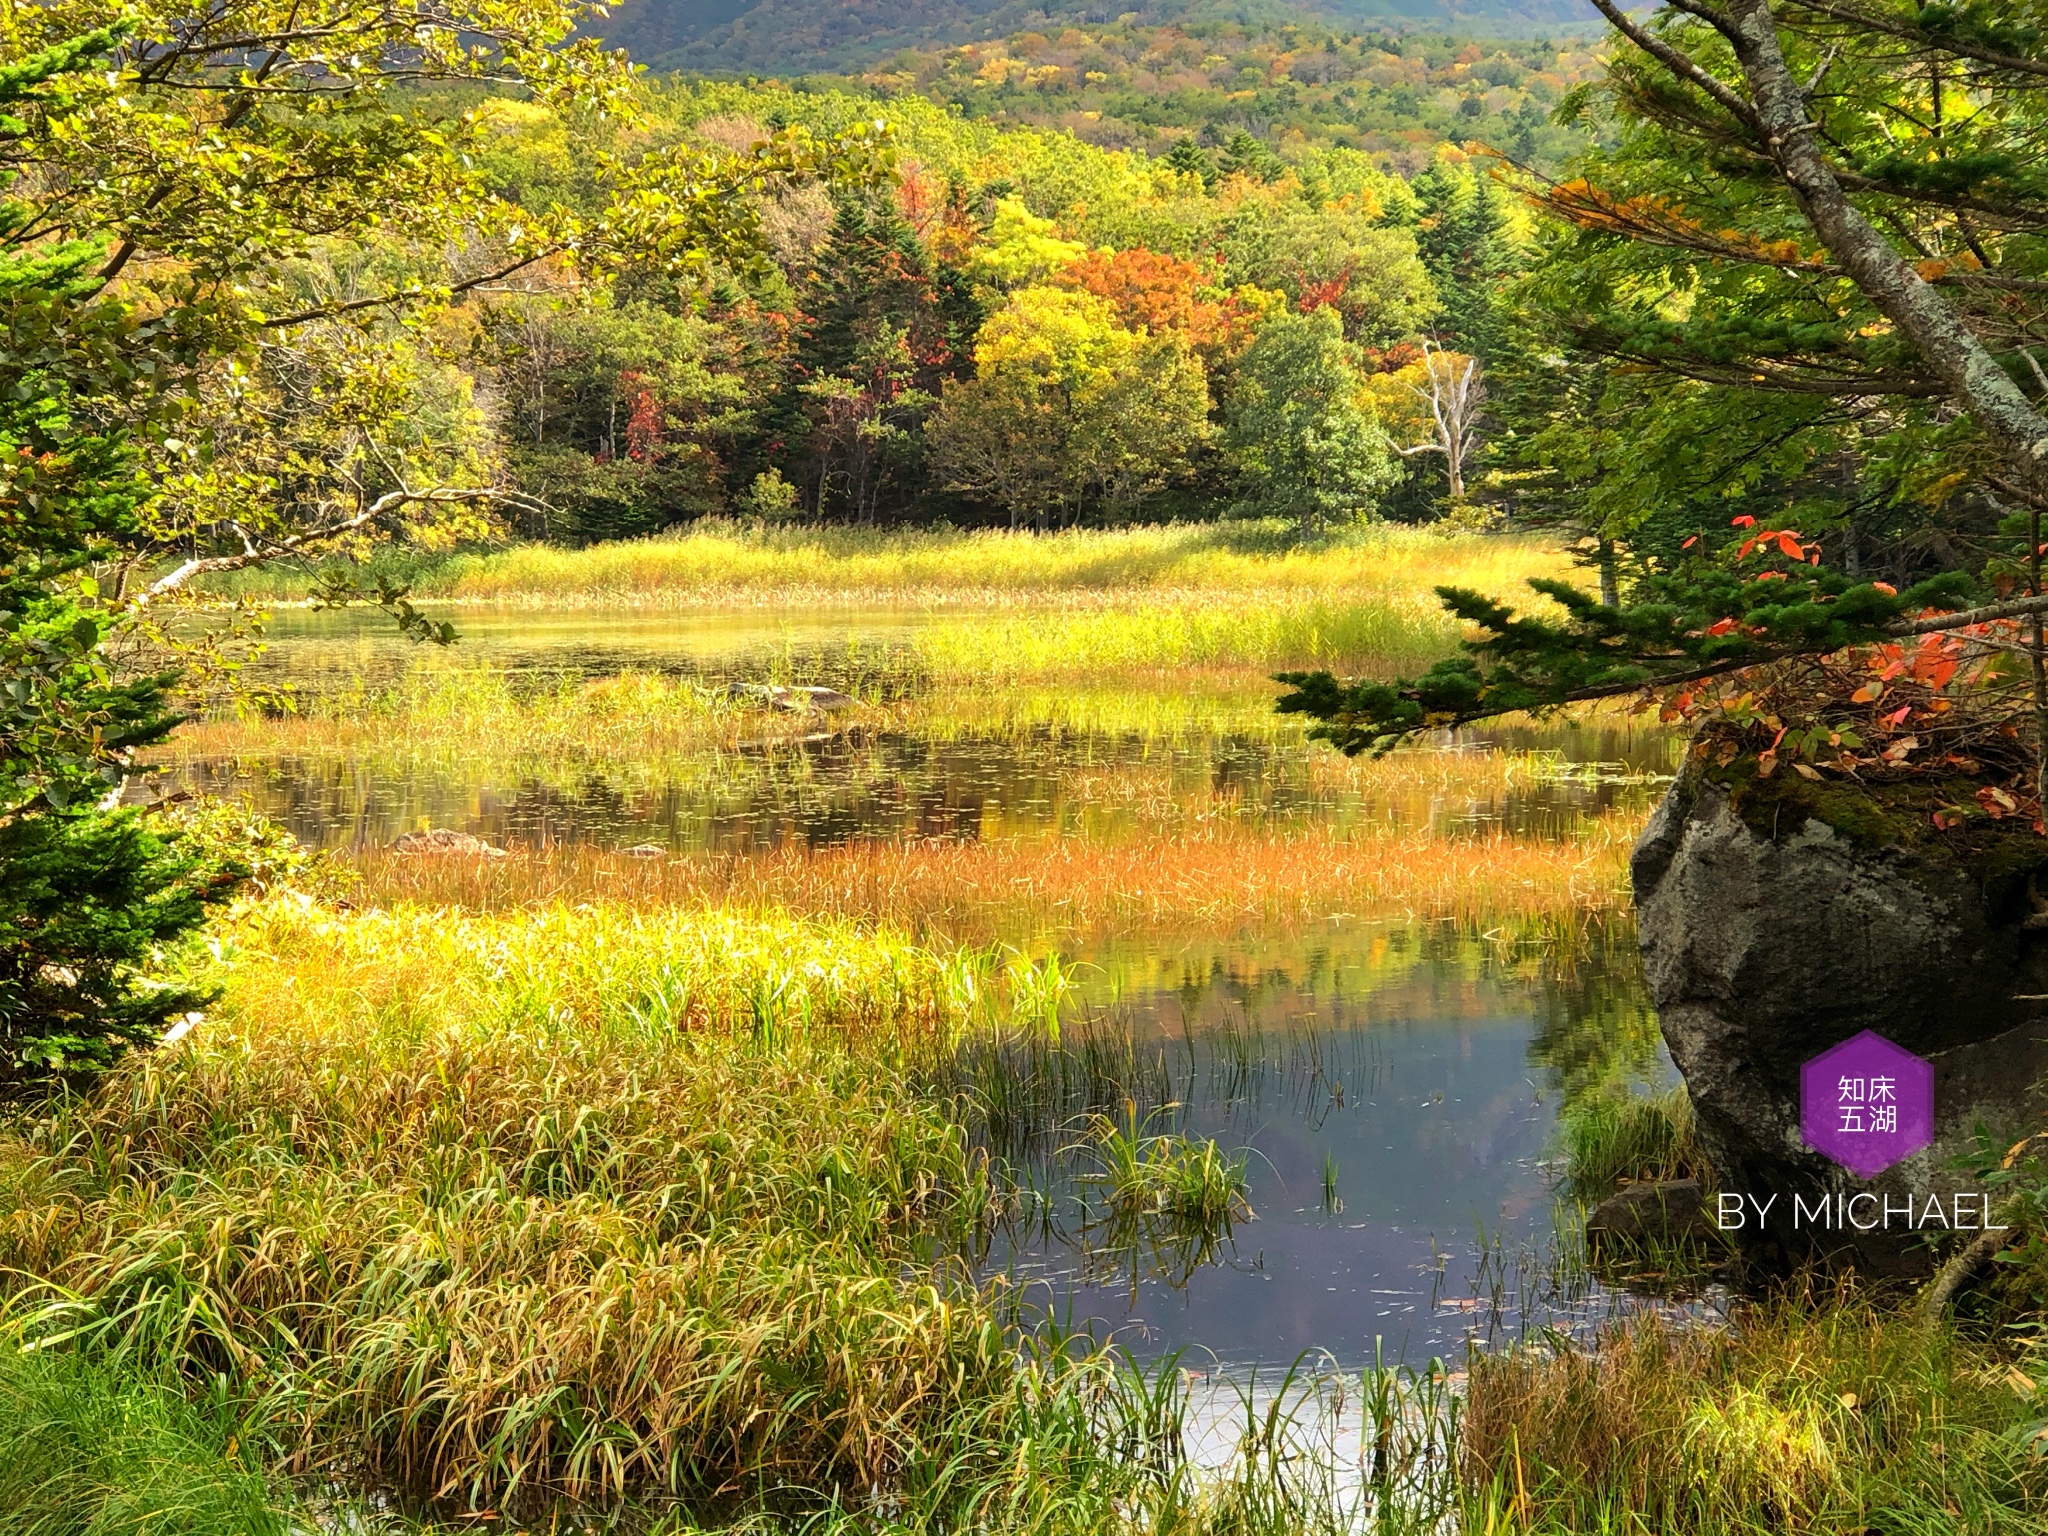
<point x="1395" y="1087"/>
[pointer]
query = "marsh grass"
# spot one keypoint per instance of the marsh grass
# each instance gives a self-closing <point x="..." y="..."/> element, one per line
<point x="478" y="719"/>
<point x="579" y="1202"/>
<point x="1160" y="1176"/>
<point x="88" y="1451"/>
<point x="609" y="1205"/>
<point x="1814" y="1412"/>
<point x="1612" y="1139"/>
<point x="1218" y="878"/>
<point x="723" y="562"/>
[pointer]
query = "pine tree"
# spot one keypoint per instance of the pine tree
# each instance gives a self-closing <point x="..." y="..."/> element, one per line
<point x="880" y="331"/>
<point x="86" y="895"/>
<point x="1462" y="236"/>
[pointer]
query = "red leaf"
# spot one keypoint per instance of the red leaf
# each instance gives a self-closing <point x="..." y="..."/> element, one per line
<point x="1722" y="628"/>
<point x="1869" y="693"/>
<point x="1788" y="543"/>
<point x="1688" y="544"/>
<point x="1886" y="588"/>
<point x="1741" y="522"/>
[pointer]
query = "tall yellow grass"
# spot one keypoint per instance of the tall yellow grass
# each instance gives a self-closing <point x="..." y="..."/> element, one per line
<point x="808" y="564"/>
<point x="578" y="1200"/>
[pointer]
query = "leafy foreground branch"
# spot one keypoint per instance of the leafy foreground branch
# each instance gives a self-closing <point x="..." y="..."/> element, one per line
<point x="1773" y="601"/>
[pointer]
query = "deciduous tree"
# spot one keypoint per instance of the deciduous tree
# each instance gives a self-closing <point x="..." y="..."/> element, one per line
<point x="1300" y="428"/>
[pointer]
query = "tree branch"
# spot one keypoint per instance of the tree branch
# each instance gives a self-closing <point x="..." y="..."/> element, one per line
<point x="299" y="543"/>
<point x="1961" y="49"/>
<point x="1680" y="64"/>
<point x="405" y="295"/>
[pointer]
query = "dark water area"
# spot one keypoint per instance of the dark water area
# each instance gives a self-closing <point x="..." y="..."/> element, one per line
<point x="1395" y="1088"/>
<point x="1396" y="1092"/>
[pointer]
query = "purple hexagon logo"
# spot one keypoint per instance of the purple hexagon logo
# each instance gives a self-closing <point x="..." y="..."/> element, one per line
<point x="1867" y="1103"/>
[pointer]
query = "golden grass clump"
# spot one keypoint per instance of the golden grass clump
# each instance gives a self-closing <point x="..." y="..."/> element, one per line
<point x="1807" y="1414"/>
<point x="713" y="561"/>
<point x="580" y="1200"/>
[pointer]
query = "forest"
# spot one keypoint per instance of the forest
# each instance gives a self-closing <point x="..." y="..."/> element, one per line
<point x="1016" y="329"/>
<point x="1071" y="774"/>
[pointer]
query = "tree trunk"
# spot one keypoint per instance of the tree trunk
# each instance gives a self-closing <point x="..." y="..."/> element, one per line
<point x="2017" y="432"/>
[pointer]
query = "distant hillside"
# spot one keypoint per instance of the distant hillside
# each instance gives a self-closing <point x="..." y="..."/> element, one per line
<point x="795" y="37"/>
<point x="1248" y="95"/>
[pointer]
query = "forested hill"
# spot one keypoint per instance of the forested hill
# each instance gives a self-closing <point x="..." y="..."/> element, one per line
<point x="785" y="37"/>
<point x="1238" y="91"/>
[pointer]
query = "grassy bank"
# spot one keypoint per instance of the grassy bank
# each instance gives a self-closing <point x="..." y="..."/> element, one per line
<point x="1811" y="1413"/>
<point x="590" y="1201"/>
<point x="616" y="1201"/>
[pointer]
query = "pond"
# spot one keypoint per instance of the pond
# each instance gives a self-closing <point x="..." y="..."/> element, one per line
<point x="1393" y="1086"/>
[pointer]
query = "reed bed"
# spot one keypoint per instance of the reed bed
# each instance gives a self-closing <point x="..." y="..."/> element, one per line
<point x="586" y="1201"/>
<point x="715" y="562"/>
<point x="1218" y="880"/>
<point x="479" y="717"/>
<point x="1363" y="631"/>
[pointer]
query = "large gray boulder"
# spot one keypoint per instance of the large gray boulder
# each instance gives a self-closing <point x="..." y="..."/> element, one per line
<point x="1778" y="917"/>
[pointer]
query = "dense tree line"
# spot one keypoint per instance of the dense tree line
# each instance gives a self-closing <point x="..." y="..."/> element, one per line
<point x="1019" y="329"/>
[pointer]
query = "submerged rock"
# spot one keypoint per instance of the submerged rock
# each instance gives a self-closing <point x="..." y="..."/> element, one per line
<point x="441" y="840"/>
<point x="1661" y="1211"/>
<point x="1779" y="917"/>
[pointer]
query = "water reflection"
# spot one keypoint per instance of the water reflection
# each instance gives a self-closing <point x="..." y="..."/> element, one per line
<point x="1413" y="1074"/>
<point x="875" y="784"/>
<point x="959" y="769"/>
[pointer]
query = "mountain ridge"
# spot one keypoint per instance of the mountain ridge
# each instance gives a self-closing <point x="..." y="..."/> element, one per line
<point x="797" y="37"/>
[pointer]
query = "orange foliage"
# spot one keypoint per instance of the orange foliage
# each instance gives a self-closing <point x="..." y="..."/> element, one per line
<point x="1655" y="219"/>
<point x="1164" y="293"/>
<point x="1216" y="879"/>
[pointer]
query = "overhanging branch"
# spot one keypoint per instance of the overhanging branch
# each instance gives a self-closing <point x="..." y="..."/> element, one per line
<point x="299" y="543"/>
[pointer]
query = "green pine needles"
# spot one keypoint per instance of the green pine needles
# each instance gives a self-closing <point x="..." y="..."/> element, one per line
<point x="87" y="895"/>
<point x="1705" y="618"/>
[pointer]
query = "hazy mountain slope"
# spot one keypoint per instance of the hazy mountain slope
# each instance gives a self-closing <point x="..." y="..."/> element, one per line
<point x="787" y="37"/>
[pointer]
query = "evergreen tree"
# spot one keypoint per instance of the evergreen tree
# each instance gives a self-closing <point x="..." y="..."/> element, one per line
<point x="86" y="895"/>
<point x="1462" y="236"/>
<point x="879" y="333"/>
<point x="1188" y="158"/>
<point x="1812" y="251"/>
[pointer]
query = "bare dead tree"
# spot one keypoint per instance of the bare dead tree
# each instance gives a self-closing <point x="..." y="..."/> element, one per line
<point x="1453" y="392"/>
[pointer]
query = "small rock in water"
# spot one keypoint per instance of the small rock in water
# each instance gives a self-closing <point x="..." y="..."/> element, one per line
<point x="1663" y="1211"/>
<point x="441" y="840"/>
<point x="645" y="851"/>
